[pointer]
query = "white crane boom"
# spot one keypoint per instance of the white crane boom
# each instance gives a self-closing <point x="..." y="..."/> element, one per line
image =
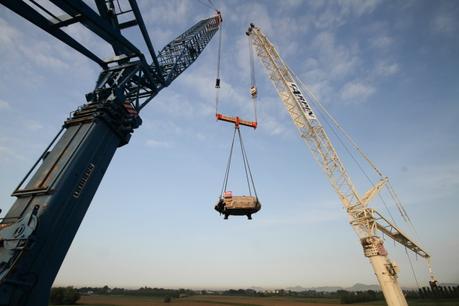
<point x="363" y="219"/>
<point x="387" y="228"/>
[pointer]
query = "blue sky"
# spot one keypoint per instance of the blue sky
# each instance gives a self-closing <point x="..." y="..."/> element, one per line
<point x="388" y="71"/>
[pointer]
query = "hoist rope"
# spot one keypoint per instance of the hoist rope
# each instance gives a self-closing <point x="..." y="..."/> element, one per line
<point x="252" y="62"/>
<point x="212" y="4"/>
<point x="412" y="268"/>
<point x="323" y="110"/>
<point x="402" y="210"/>
<point x="335" y="122"/>
<point x="217" y="80"/>
<point x="360" y="167"/>
<point x="248" y="172"/>
<point x="207" y="5"/>
<point x="228" y="166"/>
<point x="391" y="190"/>
<point x="244" y="161"/>
<point x="252" y="76"/>
<point x="429" y="266"/>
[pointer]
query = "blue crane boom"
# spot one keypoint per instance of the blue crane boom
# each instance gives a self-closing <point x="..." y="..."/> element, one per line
<point x="53" y="197"/>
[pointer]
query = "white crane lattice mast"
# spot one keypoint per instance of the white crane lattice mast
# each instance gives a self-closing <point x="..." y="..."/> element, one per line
<point x="364" y="220"/>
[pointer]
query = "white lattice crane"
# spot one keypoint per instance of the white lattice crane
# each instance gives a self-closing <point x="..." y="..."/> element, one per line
<point x="365" y="221"/>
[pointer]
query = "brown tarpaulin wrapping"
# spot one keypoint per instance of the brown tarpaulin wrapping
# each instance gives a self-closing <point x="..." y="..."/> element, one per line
<point x="238" y="205"/>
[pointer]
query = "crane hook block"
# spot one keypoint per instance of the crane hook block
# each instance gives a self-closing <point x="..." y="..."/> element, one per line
<point x="253" y="91"/>
<point x="217" y="83"/>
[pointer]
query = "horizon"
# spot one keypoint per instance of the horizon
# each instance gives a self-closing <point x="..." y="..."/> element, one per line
<point x="256" y="288"/>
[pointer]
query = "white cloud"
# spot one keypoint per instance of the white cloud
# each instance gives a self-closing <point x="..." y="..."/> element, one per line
<point x="292" y="3"/>
<point x="10" y="150"/>
<point x="4" y="104"/>
<point x="444" y="23"/>
<point x="358" y="7"/>
<point x="32" y="125"/>
<point x="386" y="69"/>
<point x="243" y="58"/>
<point x="338" y="60"/>
<point x="356" y="91"/>
<point x="253" y="12"/>
<point x="334" y="63"/>
<point x="381" y="42"/>
<point x="337" y="13"/>
<point x="324" y="40"/>
<point x="200" y="136"/>
<point x="322" y="90"/>
<point x="273" y="117"/>
<point x="8" y="35"/>
<point x="157" y="143"/>
<point x="41" y="54"/>
<point x="6" y="154"/>
<point x="38" y="51"/>
<point x="273" y="126"/>
<point x="166" y="12"/>
<point x="313" y="216"/>
<point x="442" y="179"/>
<point x="88" y="39"/>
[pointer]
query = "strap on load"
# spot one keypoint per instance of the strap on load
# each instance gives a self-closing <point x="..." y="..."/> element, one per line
<point x="248" y="172"/>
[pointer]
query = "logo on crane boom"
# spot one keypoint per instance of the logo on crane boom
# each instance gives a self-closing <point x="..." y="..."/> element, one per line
<point x="300" y="98"/>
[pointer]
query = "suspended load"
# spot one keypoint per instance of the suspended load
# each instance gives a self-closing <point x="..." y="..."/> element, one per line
<point x="243" y="205"/>
<point x="229" y="204"/>
<point x="237" y="205"/>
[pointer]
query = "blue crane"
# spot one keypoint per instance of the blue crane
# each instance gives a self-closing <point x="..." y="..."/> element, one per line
<point x="53" y="197"/>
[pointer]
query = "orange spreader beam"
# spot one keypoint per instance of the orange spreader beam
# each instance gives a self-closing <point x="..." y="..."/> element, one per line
<point x="236" y="120"/>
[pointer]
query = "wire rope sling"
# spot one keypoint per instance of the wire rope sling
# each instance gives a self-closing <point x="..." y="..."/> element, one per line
<point x="243" y="205"/>
<point x="229" y="204"/>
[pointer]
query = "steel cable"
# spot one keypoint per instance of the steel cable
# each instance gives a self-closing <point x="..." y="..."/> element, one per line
<point x="252" y="76"/>
<point x="244" y="160"/>
<point x="228" y="165"/>
<point x="244" y="153"/>
<point x="217" y="81"/>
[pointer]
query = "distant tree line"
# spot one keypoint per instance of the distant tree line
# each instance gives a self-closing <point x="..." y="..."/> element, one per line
<point x="351" y="297"/>
<point x="241" y="292"/>
<point x="280" y="292"/>
<point x="309" y="294"/>
<point x="143" y="291"/>
<point x="63" y="296"/>
<point x="443" y="292"/>
<point x="438" y="292"/>
<point x="70" y="295"/>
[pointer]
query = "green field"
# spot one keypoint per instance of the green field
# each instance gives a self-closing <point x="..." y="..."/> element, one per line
<point x="209" y="300"/>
